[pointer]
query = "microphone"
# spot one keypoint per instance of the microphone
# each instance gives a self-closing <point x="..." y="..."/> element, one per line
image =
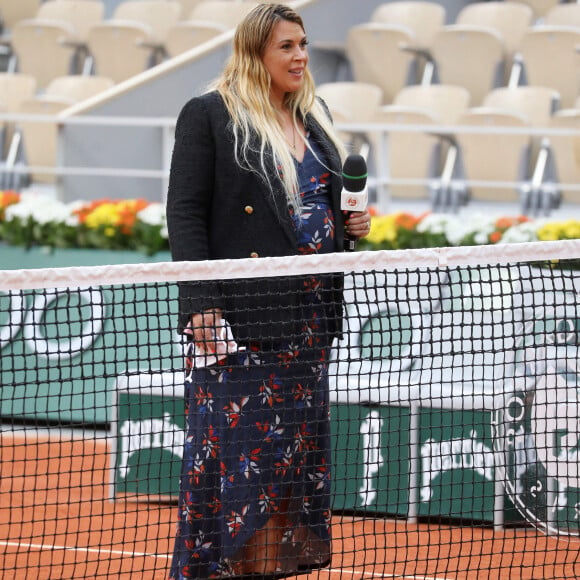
<point x="354" y="195"/>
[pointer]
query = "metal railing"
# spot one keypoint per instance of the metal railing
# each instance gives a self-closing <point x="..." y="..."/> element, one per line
<point x="446" y="190"/>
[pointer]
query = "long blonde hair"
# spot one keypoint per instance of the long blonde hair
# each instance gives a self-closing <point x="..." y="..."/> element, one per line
<point x="245" y="88"/>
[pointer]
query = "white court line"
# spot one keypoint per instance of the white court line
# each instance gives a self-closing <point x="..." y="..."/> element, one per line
<point x="51" y="547"/>
<point x="364" y="574"/>
<point x="123" y="553"/>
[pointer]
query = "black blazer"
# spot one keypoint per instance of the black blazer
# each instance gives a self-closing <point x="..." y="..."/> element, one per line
<point x="217" y="210"/>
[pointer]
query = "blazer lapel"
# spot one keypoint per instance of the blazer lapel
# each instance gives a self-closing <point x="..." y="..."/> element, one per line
<point x="274" y="191"/>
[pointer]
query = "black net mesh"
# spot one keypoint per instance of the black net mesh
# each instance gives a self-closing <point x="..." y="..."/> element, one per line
<point x="404" y="422"/>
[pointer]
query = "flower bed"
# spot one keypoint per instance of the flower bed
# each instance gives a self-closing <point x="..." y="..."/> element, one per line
<point x="134" y="224"/>
<point x="40" y="220"/>
<point x="404" y="231"/>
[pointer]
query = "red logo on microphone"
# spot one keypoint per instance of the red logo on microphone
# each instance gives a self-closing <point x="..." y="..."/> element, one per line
<point x="352" y="202"/>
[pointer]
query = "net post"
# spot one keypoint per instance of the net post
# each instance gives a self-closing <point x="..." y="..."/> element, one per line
<point x="121" y="383"/>
<point x="413" y="507"/>
<point x="498" y="503"/>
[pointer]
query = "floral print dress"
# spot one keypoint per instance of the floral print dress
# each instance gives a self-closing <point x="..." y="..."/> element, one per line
<point x="258" y="434"/>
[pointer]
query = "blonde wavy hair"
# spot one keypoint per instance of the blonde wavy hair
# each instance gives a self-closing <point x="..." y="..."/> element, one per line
<point x="245" y="87"/>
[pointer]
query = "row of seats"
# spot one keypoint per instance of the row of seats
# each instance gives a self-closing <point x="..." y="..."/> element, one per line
<point x="31" y="142"/>
<point x="13" y="11"/>
<point x="71" y="36"/>
<point x="62" y="33"/>
<point x="489" y="44"/>
<point x="413" y="155"/>
<point x="529" y="156"/>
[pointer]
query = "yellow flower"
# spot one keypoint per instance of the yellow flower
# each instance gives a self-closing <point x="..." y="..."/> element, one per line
<point x="383" y="229"/>
<point x="568" y="230"/>
<point x="549" y="232"/>
<point x="120" y="214"/>
<point x="105" y="214"/>
<point x="571" y="229"/>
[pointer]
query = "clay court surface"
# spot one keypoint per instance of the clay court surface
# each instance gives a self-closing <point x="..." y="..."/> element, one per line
<point x="57" y="522"/>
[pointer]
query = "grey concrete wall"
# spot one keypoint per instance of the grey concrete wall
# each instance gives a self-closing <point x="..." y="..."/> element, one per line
<point x="121" y="147"/>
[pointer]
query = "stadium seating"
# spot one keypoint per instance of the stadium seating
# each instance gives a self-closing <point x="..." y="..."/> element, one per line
<point x="377" y="56"/>
<point x="420" y="156"/>
<point x="352" y="102"/>
<point x="550" y="59"/>
<point x="76" y="88"/>
<point x="510" y="19"/>
<point x="473" y="57"/>
<point x="422" y="17"/>
<point x="187" y="35"/>
<point x="405" y="155"/>
<point x="540" y="7"/>
<point x="207" y="19"/>
<point x="14" y="88"/>
<point x="223" y="12"/>
<point x="13" y="11"/>
<point x="495" y="156"/>
<point x="42" y="49"/>
<point x="567" y="14"/>
<point x="537" y="104"/>
<point x="109" y="40"/>
<point x="81" y="15"/>
<point x="444" y="102"/>
<point x="34" y="143"/>
<point x="565" y="150"/>
<point x="53" y="43"/>
<point x="159" y="15"/>
<point x="487" y="42"/>
<point x="39" y="139"/>
<point x="137" y="31"/>
<point x="188" y="5"/>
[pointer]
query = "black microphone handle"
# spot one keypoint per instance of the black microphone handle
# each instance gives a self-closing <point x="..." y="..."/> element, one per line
<point x="350" y="243"/>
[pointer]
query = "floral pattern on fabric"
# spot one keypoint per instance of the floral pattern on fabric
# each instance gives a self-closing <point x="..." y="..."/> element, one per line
<point x="315" y="225"/>
<point x="258" y="435"/>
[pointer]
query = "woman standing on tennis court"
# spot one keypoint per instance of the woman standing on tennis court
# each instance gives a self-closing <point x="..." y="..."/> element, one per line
<point x="256" y="171"/>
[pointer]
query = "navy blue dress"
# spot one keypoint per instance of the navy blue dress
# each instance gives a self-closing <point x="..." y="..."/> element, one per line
<point x="258" y="433"/>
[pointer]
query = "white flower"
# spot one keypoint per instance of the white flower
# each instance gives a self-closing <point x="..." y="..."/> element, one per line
<point x="436" y="223"/>
<point x="153" y="215"/>
<point x="525" y="232"/>
<point x="477" y="225"/>
<point x="41" y="209"/>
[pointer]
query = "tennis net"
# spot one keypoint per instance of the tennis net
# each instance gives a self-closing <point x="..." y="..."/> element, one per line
<point x="451" y="450"/>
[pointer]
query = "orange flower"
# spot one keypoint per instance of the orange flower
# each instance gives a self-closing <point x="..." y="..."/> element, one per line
<point x="116" y="214"/>
<point x="406" y="220"/>
<point x="495" y="237"/>
<point x="128" y="211"/>
<point x="88" y="208"/>
<point x="504" y="223"/>
<point x="7" y="198"/>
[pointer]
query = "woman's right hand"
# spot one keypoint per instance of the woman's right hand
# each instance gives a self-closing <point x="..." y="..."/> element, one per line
<point x="205" y="326"/>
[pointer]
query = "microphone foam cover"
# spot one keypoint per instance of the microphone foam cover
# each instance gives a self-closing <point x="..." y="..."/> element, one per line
<point x="354" y="173"/>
